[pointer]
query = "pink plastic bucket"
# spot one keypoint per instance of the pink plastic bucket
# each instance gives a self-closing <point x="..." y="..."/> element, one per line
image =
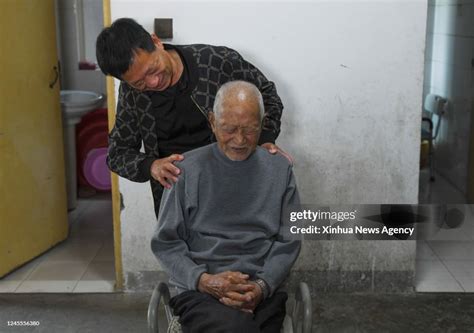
<point x="91" y="132"/>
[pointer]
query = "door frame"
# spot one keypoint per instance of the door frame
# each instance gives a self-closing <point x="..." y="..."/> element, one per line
<point x="114" y="177"/>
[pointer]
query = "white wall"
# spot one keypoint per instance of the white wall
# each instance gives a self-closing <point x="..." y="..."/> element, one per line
<point x="71" y="77"/>
<point x="350" y="74"/>
<point x="450" y="73"/>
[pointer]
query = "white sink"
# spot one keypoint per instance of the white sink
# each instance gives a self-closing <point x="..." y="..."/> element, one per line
<point x="76" y="103"/>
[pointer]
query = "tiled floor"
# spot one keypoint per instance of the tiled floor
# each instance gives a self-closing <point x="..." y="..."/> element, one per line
<point x="440" y="191"/>
<point x="446" y="265"/>
<point x="81" y="264"/>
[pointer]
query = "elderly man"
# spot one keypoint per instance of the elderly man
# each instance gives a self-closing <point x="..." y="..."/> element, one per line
<point x="164" y="99"/>
<point x="220" y="235"/>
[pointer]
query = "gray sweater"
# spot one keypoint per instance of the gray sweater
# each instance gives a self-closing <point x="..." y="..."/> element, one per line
<point x="227" y="215"/>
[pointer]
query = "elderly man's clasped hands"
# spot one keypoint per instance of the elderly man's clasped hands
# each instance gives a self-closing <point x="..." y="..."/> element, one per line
<point x="233" y="289"/>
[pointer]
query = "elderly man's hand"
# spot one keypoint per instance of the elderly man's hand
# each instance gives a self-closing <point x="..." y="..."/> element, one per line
<point x="273" y="149"/>
<point x="246" y="302"/>
<point x="164" y="171"/>
<point x="225" y="284"/>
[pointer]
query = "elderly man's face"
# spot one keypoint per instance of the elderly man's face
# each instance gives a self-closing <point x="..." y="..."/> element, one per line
<point x="237" y="129"/>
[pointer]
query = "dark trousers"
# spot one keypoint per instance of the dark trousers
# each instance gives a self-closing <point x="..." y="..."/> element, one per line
<point x="200" y="312"/>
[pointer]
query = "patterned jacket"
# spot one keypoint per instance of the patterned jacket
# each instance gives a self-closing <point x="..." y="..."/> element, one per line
<point x="135" y="122"/>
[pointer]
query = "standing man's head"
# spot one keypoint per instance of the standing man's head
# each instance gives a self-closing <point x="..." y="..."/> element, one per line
<point x="236" y="119"/>
<point x="128" y="52"/>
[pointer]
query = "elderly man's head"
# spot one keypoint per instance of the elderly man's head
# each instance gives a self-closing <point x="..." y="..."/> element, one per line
<point x="237" y="119"/>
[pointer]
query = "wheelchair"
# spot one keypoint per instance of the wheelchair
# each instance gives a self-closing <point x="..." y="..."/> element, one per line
<point x="298" y="319"/>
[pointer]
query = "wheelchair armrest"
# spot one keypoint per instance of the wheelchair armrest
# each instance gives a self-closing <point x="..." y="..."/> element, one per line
<point x="161" y="292"/>
<point x="303" y="308"/>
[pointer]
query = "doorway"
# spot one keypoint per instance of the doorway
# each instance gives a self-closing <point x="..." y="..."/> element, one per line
<point x="85" y="261"/>
<point x="447" y="265"/>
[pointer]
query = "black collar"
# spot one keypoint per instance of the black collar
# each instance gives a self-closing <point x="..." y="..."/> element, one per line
<point x="189" y="77"/>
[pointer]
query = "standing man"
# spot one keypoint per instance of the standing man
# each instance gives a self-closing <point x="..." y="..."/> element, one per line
<point x="164" y="99"/>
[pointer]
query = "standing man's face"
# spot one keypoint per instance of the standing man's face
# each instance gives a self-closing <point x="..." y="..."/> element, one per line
<point x="152" y="71"/>
<point x="237" y="129"/>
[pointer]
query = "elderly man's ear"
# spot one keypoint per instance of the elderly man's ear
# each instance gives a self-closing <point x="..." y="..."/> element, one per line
<point x="212" y="121"/>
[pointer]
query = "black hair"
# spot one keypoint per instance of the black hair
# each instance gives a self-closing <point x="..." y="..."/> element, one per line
<point x="115" y="46"/>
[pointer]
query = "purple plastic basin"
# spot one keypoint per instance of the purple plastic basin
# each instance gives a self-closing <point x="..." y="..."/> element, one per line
<point x="95" y="169"/>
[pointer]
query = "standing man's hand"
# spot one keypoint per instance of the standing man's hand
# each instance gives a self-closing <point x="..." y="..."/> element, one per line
<point x="273" y="149"/>
<point x="164" y="171"/>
